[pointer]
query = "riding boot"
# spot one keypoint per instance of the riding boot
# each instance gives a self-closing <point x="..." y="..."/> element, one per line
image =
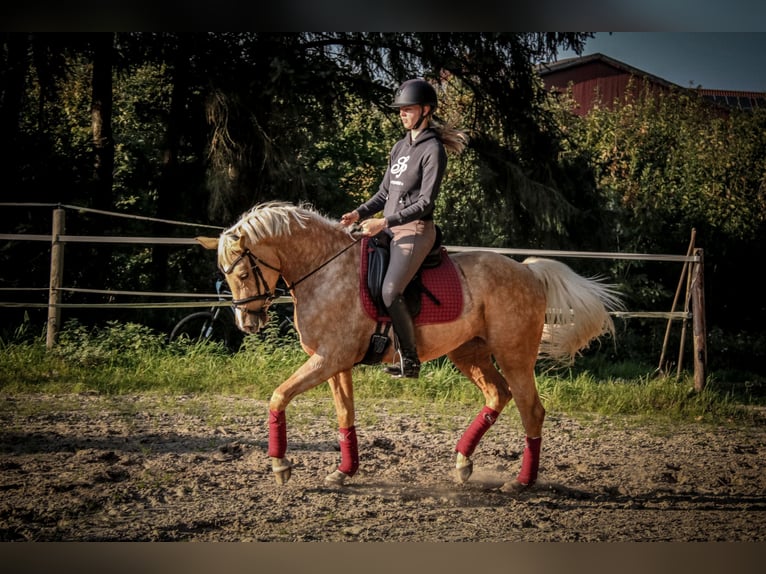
<point x="404" y="328"/>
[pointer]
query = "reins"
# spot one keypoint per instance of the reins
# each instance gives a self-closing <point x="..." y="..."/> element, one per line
<point x="330" y="260"/>
<point x="267" y="295"/>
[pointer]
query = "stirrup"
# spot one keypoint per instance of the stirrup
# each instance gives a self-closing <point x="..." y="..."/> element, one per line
<point x="405" y="368"/>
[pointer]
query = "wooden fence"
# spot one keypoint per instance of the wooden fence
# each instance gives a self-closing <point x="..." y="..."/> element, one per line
<point x="692" y="277"/>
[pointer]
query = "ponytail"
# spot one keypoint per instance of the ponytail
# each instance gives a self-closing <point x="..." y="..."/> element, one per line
<point x="454" y="140"/>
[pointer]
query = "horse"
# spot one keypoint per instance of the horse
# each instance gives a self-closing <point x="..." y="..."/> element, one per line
<point x="513" y="314"/>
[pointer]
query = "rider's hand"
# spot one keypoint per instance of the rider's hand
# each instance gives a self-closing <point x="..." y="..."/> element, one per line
<point x="350" y="217"/>
<point x="373" y="226"/>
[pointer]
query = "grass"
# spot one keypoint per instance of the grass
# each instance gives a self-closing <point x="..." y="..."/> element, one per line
<point x="130" y="359"/>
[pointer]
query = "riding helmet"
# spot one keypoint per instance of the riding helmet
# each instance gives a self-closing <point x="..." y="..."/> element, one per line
<point x="415" y="92"/>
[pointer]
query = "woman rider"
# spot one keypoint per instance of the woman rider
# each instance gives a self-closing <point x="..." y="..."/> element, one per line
<point x="407" y="196"/>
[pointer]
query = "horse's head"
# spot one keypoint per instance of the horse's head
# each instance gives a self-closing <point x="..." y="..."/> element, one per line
<point x="252" y="253"/>
<point x="251" y="273"/>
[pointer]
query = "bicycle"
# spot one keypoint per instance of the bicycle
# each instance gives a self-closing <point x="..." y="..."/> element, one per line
<point x="218" y="324"/>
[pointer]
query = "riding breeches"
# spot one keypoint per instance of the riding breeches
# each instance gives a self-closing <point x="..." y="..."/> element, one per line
<point x="410" y="244"/>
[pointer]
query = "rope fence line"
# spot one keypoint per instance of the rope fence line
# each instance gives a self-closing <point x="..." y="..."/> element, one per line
<point x="577" y="254"/>
<point x="281" y="300"/>
<point x="63" y="238"/>
<point x="651" y="314"/>
<point x="111" y="213"/>
<point x="173" y="305"/>
<point x="111" y="292"/>
<point x="449" y="248"/>
<point x="98" y="239"/>
<point x="193" y="241"/>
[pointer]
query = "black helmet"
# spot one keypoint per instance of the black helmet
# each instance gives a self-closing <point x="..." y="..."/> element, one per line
<point x="415" y="92"/>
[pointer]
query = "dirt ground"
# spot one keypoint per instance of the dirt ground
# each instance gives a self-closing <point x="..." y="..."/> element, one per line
<point x="83" y="467"/>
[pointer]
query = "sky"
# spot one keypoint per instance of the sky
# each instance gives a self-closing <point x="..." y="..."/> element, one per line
<point x="712" y="60"/>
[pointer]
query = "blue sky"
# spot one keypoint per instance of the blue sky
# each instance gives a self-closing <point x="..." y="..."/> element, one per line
<point x="713" y="60"/>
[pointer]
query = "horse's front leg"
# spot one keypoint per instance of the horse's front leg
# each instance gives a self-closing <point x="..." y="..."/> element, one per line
<point x="343" y="395"/>
<point x="309" y="375"/>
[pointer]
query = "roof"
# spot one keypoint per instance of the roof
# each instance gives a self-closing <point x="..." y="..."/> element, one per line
<point x="729" y="98"/>
<point x="568" y="63"/>
<point x="735" y="99"/>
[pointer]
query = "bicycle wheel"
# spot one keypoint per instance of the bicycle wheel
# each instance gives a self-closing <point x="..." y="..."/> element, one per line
<point x="202" y="326"/>
<point x="284" y="316"/>
<point x="287" y="330"/>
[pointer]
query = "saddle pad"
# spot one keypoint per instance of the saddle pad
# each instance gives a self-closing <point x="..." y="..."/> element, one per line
<point x="443" y="281"/>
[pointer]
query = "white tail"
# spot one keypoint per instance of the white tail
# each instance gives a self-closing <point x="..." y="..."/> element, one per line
<point x="577" y="308"/>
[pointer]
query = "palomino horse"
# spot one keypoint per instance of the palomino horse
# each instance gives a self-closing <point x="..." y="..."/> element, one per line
<point x="505" y="307"/>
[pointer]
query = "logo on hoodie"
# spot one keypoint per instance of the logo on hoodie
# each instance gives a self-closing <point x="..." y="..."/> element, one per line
<point x="400" y="165"/>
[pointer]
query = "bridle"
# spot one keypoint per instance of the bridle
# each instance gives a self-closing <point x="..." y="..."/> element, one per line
<point x="263" y="292"/>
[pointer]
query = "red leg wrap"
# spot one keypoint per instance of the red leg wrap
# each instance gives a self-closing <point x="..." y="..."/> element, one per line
<point x="277" y="434"/>
<point x="530" y="461"/>
<point x="349" y="451"/>
<point x="472" y="435"/>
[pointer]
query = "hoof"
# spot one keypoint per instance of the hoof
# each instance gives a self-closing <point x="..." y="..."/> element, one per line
<point x="282" y="468"/>
<point x="336" y="478"/>
<point x="463" y="468"/>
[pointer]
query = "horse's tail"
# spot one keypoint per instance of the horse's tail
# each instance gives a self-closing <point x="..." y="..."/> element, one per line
<point x="577" y="308"/>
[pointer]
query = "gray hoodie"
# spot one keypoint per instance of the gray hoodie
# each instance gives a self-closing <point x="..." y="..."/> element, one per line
<point x="411" y="183"/>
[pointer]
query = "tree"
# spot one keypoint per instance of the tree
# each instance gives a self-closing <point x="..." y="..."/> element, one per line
<point x="666" y="165"/>
<point x="299" y="116"/>
<point x="673" y="162"/>
<point x="290" y="91"/>
<point x="101" y="120"/>
<point x="13" y="80"/>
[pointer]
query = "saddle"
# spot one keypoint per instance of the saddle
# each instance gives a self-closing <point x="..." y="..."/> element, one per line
<point x="376" y="256"/>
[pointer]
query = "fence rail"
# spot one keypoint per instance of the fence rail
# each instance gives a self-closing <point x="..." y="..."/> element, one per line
<point x="692" y="274"/>
<point x="99" y="239"/>
<point x="451" y="248"/>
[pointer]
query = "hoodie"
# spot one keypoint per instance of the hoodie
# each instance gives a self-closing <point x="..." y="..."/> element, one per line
<point x="412" y="181"/>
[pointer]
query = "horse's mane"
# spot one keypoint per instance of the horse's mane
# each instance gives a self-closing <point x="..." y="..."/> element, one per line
<point x="264" y="220"/>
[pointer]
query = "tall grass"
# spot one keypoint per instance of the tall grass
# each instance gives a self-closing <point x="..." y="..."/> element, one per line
<point x="130" y="358"/>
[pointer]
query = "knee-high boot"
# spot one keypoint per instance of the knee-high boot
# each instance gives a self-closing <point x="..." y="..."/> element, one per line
<point x="404" y="329"/>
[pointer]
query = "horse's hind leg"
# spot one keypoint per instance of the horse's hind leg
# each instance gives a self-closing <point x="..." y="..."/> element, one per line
<point x="343" y="395"/>
<point x="474" y="360"/>
<point x="521" y="380"/>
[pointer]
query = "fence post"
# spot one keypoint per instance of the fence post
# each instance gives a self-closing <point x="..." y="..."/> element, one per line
<point x="684" y="271"/>
<point x="57" y="274"/>
<point x="698" y="320"/>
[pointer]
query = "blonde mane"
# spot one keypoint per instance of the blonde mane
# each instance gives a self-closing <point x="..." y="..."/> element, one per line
<point x="269" y="219"/>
